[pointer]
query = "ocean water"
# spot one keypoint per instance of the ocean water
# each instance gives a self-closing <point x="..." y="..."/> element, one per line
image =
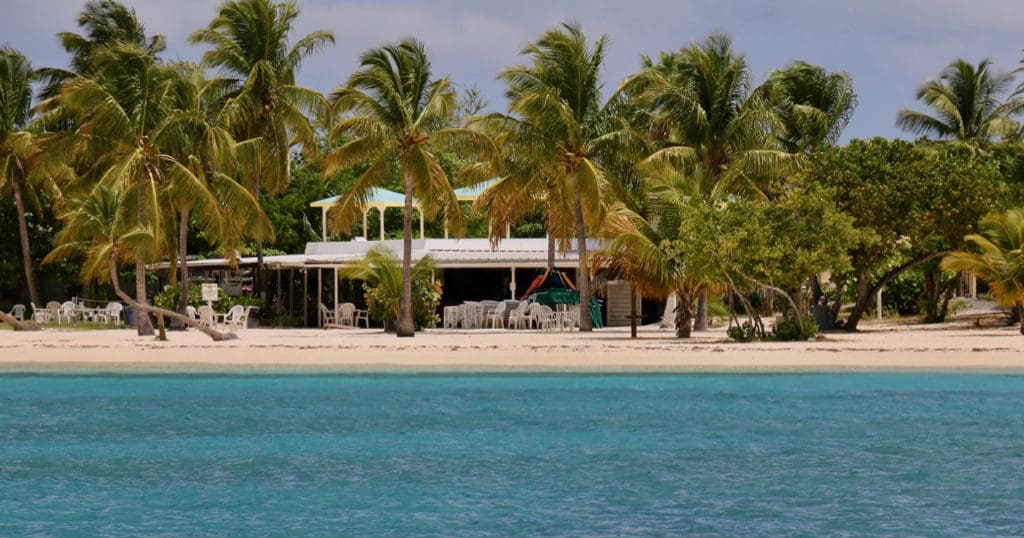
<point x="506" y="455"/>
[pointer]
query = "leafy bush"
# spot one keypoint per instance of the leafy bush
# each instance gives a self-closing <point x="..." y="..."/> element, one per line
<point x="381" y="271"/>
<point x="788" y="330"/>
<point x="168" y="298"/>
<point x="741" y="333"/>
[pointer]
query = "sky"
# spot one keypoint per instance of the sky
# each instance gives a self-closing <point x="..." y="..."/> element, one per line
<point x="890" y="47"/>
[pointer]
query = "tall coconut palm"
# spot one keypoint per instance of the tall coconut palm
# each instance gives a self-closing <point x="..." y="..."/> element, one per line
<point x="969" y="103"/>
<point x="18" y="147"/>
<point x="556" y="130"/>
<point x="252" y="48"/>
<point x="399" y="115"/>
<point x="126" y="118"/>
<point x="813" y="105"/>
<point x="999" y="258"/>
<point x="702" y="96"/>
<point x="99" y="227"/>
<point x="640" y="249"/>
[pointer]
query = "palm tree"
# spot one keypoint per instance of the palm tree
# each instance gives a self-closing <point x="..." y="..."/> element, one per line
<point x="251" y="47"/>
<point x="99" y="227"/>
<point x="702" y="97"/>
<point x="640" y="250"/>
<point x="969" y="104"/>
<point x="400" y="116"/>
<point x="813" y="105"/>
<point x="18" y="147"/>
<point x="999" y="259"/>
<point x="555" y="133"/>
<point x="382" y="269"/>
<point x="127" y="128"/>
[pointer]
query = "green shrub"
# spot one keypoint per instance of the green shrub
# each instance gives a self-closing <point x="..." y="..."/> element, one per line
<point x="168" y="299"/>
<point x="741" y="333"/>
<point x="788" y="330"/>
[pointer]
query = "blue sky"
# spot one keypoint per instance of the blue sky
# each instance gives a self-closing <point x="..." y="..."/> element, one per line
<point x="889" y="46"/>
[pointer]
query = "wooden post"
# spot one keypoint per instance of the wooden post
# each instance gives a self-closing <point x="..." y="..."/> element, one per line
<point x="632" y="310"/>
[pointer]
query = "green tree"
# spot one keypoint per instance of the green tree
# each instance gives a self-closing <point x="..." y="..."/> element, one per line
<point x="556" y="131"/>
<point x="251" y="46"/>
<point x="703" y="99"/>
<point x="21" y="168"/>
<point x="399" y="116"/>
<point x="813" y="106"/>
<point x="969" y="103"/>
<point x="997" y="257"/>
<point x="911" y="203"/>
<point x="98" y="227"/>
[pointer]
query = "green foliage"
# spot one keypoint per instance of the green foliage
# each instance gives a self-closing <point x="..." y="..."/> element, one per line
<point x="789" y="330"/>
<point x="167" y="298"/>
<point x="741" y="333"/>
<point x="382" y="273"/>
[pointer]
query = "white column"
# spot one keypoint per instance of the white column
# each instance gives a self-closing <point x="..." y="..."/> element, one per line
<point x="364" y="223"/>
<point x="323" y="224"/>
<point x="508" y="231"/>
<point x="335" y="289"/>
<point x="421" y="223"/>
<point x="381" y="211"/>
<point x="319" y="296"/>
<point x="512" y="284"/>
<point x="878" y="304"/>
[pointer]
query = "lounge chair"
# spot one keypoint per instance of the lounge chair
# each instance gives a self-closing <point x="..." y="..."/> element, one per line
<point x="18" y="312"/>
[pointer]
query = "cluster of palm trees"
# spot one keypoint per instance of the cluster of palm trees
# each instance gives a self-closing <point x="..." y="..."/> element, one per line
<point x="137" y="149"/>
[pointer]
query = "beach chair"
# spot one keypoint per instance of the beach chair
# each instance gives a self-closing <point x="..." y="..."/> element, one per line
<point x="207" y="316"/>
<point x="544" y="318"/>
<point x="40" y="315"/>
<point x="67" y="312"/>
<point x="519" y="316"/>
<point x="53" y="308"/>
<point x="18" y="312"/>
<point x="112" y="312"/>
<point x="327" y="316"/>
<point x="450" y="319"/>
<point x="236" y="318"/>
<point x="497" y="316"/>
<point x="190" y="311"/>
<point x="347" y="315"/>
<point x="364" y="316"/>
<point x="568" y="317"/>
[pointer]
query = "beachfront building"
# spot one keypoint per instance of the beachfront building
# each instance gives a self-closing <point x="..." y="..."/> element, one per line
<point x="469" y="268"/>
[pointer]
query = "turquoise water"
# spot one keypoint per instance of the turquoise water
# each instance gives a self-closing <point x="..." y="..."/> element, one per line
<point x="500" y="455"/>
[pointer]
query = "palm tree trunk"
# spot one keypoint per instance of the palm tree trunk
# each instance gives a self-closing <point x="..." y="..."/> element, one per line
<point x="583" y="274"/>
<point x="142" y="323"/>
<point x="405" y="326"/>
<point x="261" y="273"/>
<point x="683" y="314"/>
<point x="551" y="250"/>
<point x="17" y="325"/>
<point x="1020" y="308"/>
<point x="183" y="269"/>
<point x="701" y="322"/>
<point x="142" y="308"/>
<point x="26" y="251"/>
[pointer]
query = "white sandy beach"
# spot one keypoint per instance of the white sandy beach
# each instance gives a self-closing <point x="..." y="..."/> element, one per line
<point x="880" y="346"/>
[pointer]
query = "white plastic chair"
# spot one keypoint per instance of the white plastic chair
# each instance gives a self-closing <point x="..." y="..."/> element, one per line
<point x="364" y="316"/>
<point x="113" y="312"/>
<point x="451" y="317"/>
<point x="497" y="317"/>
<point x="327" y="315"/>
<point x="191" y="312"/>
<point x="207" y="316"/>
<point x="519" y="316"/>
<point x="18" y="312"/>
<point x="40" y="315"/>
<point x="347" y="315"/>
<point x="236" y="317"/>
<point x="67" y="313"/>
<point x="544" y="318"/>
